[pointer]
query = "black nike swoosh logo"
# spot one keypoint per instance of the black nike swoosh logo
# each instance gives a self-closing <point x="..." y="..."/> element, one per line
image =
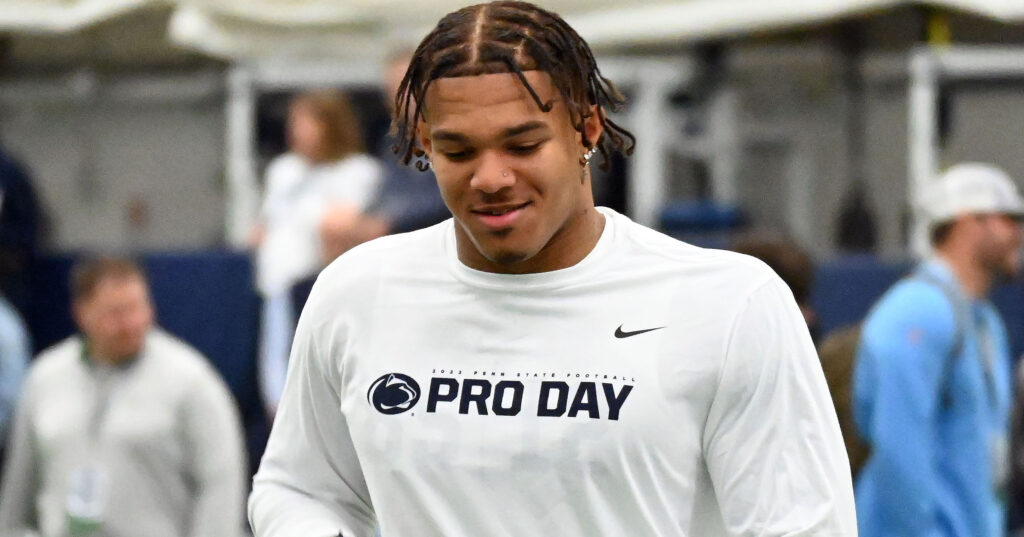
<point x="619" y="333"/>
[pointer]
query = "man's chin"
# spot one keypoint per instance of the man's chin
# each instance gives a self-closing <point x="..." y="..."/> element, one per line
<point x="508" y="258"/>
<point x="128" y="352"/>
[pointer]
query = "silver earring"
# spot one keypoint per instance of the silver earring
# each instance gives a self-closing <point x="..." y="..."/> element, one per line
<point x="589" y="155"/>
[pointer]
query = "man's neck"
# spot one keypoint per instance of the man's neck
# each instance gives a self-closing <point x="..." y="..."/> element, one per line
<point x="974" y="279"/>
<point x="100" y="356"/>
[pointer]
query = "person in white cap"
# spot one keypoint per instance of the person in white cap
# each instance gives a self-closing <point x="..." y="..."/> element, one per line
<point x="932" y="386"/>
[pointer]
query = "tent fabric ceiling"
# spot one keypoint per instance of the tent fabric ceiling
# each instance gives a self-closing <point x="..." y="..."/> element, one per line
<point x="240" y="29"/>
<point x="60" y="16"/>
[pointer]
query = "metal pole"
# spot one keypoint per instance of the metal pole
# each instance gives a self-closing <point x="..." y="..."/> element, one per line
<point x="923" y="141"/>
<point x="725" y="154"/>
<point x="646" y="187"/>
<point x="242" y="196"/>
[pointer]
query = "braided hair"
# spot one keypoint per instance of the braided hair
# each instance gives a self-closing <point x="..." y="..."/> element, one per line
<point x="510" y="37"/>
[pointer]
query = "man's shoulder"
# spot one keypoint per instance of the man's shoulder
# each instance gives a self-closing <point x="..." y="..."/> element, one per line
<point x="176" y="352"/>
<point x="912" y="301"/>
<point x="913" y="294"/>
<point x="713" y="266"/>
<point x="56" y="360"/>
<point x="403" y="255"/>
<point x="367" y="259"/>
<point x="165" y="342"/>
<point x="173" y="358"/>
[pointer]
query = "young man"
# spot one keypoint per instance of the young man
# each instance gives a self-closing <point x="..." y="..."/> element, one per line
<point x="932" y="379"/>
<point x="123" y="430"/>
<point x="538" y="366"/>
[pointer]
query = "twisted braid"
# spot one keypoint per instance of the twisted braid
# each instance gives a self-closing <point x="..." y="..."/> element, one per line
<point x="510" y="37"/>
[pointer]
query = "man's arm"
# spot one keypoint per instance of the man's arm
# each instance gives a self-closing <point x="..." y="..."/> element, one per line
<point x="772" y="442"/>
<point x="21" y="474"/>
<point x="310" y="483"/>
<point x="15" y="353"/>
<point x="217" y="463"/>
<point x="905" y="346"/>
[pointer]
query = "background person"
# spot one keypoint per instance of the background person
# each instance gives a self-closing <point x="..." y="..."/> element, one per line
<point x="932" y="377"/>
<point x="15" y="352"/>
<point x="123" y="430"/>
<point x="22" y="225"/>
<point x="323" y="183"/>
<point x="408" y="198"/>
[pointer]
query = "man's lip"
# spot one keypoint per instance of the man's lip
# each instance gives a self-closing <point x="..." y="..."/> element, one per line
<point x="488" y="209"/>
<point x="509" y="214"/>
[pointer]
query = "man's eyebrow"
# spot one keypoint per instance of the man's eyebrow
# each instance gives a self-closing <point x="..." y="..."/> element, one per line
<point x="510" y="132"/>
<point x="524" y="128"/>
<point x="448" y="135"/>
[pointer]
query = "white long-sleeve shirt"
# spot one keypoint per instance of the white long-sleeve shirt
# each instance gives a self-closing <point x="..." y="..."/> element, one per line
<point x="298" y="195"/>
<point x="654" y="389"/>
<point x="168" y="441"/>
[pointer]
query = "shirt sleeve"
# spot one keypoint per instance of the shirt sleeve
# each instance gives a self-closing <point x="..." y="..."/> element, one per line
<point x="310" y="482"/>
<point x="771" y="442"/>
<point x="20" y="486"/>
<point x="217" y="459"/>
<point x="904" y="347"/>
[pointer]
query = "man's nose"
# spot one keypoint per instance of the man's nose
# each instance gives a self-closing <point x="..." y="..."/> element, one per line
<point x="492" y="175"/>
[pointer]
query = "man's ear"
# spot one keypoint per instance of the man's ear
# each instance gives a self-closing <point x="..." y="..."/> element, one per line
<point x="592" y="126"/>
<point x="423" y="135"/>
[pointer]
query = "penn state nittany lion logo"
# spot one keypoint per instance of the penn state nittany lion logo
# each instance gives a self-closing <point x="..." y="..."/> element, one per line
<point x="393" y="393"/>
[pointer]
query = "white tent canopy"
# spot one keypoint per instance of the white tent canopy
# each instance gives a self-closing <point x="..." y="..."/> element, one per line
<point x="249" y="29"/>
<point x="274" y="43"/>
<point x="696" y="20"/>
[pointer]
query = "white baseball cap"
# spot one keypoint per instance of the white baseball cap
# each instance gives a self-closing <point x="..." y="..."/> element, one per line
<point x="971" y="188"/>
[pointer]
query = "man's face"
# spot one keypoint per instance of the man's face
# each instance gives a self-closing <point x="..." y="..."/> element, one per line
<point x="509" y="172"/>
<point x="999" y="244"/>
<point x="116" y="317"/>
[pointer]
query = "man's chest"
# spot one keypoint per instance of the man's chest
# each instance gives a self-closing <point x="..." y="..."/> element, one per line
<point x="119" y="414"/>
<point x="568" y="383"/>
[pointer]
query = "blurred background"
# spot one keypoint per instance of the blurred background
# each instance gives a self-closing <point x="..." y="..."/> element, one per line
<point x="146" y="126"/>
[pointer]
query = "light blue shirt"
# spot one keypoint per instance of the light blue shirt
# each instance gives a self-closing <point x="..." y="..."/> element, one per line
<point x="15" y="352"/>
<point x="936" y="465"/>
